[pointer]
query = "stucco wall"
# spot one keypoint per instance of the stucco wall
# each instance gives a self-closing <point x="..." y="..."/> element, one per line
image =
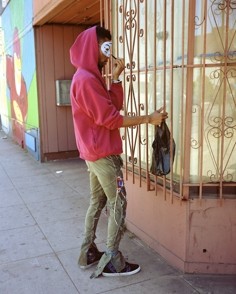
<point x="194" y="236"/>
<point x="157" y="221"/>
<point x="212" y="236"/>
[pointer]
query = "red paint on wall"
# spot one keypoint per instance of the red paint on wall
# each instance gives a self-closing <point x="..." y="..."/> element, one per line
<point x="18" y="91"/>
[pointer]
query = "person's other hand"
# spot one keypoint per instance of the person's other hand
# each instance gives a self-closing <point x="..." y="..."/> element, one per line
<point x="119" y="66"/>
<point x="157" y="117"/>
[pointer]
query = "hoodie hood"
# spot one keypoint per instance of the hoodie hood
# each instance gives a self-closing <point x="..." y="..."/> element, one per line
<point x="84" y="51"/>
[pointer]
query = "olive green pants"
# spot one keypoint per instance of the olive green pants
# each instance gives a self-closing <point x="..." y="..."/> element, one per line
<point x="106" y="185"/>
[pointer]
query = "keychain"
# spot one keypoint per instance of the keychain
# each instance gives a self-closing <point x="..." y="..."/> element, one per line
<point x="120" y="183"/>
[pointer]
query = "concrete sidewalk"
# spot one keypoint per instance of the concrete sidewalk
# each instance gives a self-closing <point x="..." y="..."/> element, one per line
<point x="42" y="210"/>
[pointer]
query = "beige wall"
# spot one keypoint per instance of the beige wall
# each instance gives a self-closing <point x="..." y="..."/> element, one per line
<point x="194" y="236"/>
<point x="53" y="63"/>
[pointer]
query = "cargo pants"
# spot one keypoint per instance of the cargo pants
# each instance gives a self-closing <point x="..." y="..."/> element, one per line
<point x="107" y="188"/>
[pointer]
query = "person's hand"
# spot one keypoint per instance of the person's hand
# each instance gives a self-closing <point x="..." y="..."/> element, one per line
<point x="157" y="117"/>
<point x="119" y="66"/>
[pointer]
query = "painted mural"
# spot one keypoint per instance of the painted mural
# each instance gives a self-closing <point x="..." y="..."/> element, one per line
<point x="18" y="97"/>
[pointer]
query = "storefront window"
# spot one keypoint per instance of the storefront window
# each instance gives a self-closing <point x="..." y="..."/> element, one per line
<point x="214" y="93"/>
<point x="181" y="55"/>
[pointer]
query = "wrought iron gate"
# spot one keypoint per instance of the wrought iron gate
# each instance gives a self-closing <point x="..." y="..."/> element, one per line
<point x="180" y="55"/>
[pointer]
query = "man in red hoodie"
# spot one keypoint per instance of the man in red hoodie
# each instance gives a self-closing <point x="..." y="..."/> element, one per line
<point x="97" y="119"/>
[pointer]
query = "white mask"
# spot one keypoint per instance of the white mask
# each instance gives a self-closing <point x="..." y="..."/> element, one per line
<point x="106" y="48"/>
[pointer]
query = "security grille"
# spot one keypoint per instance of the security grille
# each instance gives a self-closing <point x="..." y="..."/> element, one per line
<point x="180" y="55"/>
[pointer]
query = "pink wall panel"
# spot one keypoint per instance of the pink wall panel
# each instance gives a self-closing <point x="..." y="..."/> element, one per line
<point x="50" y="93"/>
<point x="53" y="63"/>
<point x="196" y="236"/>
<point x="59" y="61"/>
<point x="212" y="236"/>
<point x="159" y="222"/>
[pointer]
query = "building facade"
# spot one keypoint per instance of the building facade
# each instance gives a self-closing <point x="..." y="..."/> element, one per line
<point x="180" y="55"/>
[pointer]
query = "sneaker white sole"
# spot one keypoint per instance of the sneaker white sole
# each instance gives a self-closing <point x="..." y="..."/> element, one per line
<point x="121" y="274"/>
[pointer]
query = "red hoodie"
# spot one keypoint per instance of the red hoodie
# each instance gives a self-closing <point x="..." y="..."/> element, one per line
<point x="96" y="110"/>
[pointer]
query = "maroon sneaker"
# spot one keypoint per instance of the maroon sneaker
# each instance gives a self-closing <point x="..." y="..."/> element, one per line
<point x="93" y="257"/>
<point x="128" y="270"/>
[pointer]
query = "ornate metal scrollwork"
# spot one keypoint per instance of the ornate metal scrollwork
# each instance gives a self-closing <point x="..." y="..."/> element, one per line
<point x="219" y="126"/>
<point x="129" y="11"/>
<point x="226" y="6"/>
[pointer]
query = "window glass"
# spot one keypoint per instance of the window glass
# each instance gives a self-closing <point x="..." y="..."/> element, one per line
<point x="196" y="85"/>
